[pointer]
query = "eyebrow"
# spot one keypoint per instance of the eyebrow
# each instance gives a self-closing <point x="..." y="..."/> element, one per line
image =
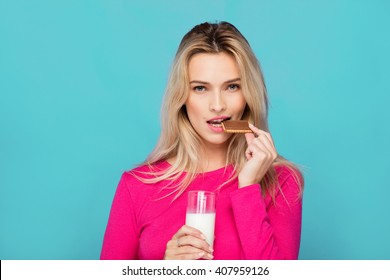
<point x="206" y="83"/>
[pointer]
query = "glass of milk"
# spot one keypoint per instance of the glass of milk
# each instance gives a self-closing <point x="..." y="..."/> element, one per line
<point x="201" y="213"/>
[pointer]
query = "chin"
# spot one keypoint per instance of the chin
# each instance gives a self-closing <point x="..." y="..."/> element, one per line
<point x="216" y="141"/>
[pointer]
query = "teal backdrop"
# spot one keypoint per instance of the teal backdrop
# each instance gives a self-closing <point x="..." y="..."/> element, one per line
<point x="81" y="84"/>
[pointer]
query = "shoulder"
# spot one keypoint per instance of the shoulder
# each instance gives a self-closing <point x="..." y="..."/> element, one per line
<point x="150" y="167"/>
<point x="137" y="175"/>
<point x="285" y="172"/>
<point x="148" y="170"/>
<point x="290" y="179"/>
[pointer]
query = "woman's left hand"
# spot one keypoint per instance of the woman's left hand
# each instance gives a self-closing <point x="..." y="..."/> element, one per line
<point x="260" y="155"/>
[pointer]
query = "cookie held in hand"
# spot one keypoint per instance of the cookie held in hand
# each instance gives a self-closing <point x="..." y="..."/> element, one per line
<point x="236" y="127"/>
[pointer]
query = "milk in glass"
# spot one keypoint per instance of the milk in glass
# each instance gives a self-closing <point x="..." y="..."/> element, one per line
<point x="201" y="213"/>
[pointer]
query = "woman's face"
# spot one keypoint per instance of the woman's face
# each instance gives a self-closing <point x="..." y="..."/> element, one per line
<point x="215" y="95"/>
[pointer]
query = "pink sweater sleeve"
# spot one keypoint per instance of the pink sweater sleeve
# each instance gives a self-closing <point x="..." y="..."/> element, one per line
<point x="274" y="230"/>
<point x="121" y="237"/>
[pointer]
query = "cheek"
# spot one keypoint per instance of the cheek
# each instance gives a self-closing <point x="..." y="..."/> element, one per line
<point x="193" y="109"/>
<point x="239" y="104"/>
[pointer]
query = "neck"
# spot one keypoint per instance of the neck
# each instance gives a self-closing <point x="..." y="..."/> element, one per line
<point x="213" y="157"/>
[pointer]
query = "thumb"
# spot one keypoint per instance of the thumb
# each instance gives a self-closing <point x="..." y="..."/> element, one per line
<point x="249" y="137"/>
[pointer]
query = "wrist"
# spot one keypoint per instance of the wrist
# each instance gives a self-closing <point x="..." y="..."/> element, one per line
<point x="243" y="184"/>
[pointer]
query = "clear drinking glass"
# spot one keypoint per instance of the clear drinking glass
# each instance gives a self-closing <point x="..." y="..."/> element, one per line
<point x="201" y="213"/>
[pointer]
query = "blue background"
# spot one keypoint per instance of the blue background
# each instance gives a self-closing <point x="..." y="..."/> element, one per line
<point x="81" y="84"/>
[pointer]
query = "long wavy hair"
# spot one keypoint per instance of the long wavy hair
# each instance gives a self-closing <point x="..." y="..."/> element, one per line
<point x="178" y="138"/>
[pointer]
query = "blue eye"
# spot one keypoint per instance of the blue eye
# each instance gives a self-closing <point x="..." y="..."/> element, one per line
<point x="199" y="88"/>
<point x="233" y="87"/>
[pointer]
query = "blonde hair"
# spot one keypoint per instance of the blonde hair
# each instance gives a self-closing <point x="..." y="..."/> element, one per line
<point x="179" y="139"/>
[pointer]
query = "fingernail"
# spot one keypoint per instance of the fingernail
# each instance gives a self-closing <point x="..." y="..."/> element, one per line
<point x="211" y="249"/>
<point x="210" y="256"/>
<point x="201" y="254"/>
<point x="203" y="237"/>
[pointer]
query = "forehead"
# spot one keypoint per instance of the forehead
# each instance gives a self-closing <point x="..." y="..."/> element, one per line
<point x="213" y="67"/>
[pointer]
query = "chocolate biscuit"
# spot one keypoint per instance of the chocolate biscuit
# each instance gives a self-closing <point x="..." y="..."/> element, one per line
<point x="236" y="127"/>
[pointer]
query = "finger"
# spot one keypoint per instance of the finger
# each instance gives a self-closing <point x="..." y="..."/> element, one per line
<point x="188" y="235"/>
<point x="255" y="130"/>
<point x="186" y="255"/>
<point x="252" y="150"/>
<point x="269" y="137"/>
<point x="261" y="151"/>
<point x="187" y="230"/>
<point x="194" y="256"/>
<point x="259" y="132"/>
<point x="249" y="137"/>
<point x="265" y="144"/>
<point x="248" y="154"/>
<point x="189" y="250"/>
<point x="195" y="242"/>
<point x="174" y="252"/>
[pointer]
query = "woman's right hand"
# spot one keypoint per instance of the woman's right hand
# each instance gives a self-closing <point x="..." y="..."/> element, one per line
<point x="188" y="243"/>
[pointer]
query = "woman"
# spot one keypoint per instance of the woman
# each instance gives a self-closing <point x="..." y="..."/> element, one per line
<point x="215" y="76"/>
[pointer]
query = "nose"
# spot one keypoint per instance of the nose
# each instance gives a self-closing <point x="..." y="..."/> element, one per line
<point x="217" y="102"/>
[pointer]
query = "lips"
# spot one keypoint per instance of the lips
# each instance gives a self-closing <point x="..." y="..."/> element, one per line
<point x="216" y="122"/>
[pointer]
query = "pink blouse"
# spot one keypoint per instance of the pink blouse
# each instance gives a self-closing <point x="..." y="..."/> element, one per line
<point x="247" y="226"/>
